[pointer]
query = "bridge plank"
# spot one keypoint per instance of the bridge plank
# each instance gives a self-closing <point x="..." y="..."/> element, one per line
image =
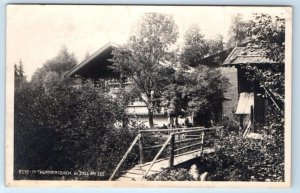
<point x="136" y="173"/>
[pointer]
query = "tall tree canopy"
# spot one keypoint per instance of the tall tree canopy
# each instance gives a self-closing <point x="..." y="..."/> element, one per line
<point x="269" y="33"/>
<point x="54" y="69"/>
<point x="195" y="46"/>
<point x="215" y="45"/>
<point x="238" y="31"/>
<point x="146" y="58"/>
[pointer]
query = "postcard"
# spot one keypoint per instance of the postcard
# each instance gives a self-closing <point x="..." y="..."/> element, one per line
<point x="148" y="96"/>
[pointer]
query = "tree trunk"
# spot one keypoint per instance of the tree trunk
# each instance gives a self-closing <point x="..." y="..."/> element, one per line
<point x="150" y="115"/>
<point x="176" y="121"/>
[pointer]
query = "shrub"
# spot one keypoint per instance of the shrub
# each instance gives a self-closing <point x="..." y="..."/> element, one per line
<point x="241" y="159"/>
<point x="68" y="128"/>
<point x="230" y="126"/>
<point x="179" y="174"/>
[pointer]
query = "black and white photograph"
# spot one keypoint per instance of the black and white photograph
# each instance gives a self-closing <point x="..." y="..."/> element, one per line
<point x="148" y="95"/>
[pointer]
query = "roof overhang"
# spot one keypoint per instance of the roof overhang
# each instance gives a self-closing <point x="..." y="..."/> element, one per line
<point x="95" y="63"/>
<point x="242" y="56"/>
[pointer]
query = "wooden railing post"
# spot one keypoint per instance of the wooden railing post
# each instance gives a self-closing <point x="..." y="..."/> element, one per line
<point x="142" y="156"/>
<point x="202" y="142"/>
<point x="171" y="158"/>
<point x="202" y="137"/>
<point x="124" y="157"/>
<point x="157" y="155"/>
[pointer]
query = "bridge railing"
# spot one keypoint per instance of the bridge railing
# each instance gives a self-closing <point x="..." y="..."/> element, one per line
<point x="146" y="147"/>
<point x="178" y="140"/>
<point x="190" y="139"/>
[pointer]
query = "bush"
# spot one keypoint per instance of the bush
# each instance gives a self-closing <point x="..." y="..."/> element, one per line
<point x="230" y="126"/>
<point x="68" y="127"/>
<point x="180" y="174"/>
<point x="241" y="159"/>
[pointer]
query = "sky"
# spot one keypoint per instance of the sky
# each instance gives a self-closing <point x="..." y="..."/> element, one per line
<point x="36" y="33"/>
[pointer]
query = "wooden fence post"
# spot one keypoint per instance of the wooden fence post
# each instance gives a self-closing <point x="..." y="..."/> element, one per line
<point x="171" y="158"/>
<point x="252" y="117"/>
<point x="141" y="148"/>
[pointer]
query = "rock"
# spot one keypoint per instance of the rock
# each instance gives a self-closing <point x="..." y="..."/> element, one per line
<point x="203" y="176"/>
<point x="208" y="151"/>
<point x="194" y="172"/>
<point x="255" y="136"/>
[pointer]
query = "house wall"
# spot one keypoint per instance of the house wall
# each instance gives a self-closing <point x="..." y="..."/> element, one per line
<point x="231" y="94"/>
<point x="139" y="108"/>
<point x="159" y="120"/>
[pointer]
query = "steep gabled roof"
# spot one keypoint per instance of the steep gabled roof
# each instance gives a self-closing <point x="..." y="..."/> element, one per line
<point x="102" y="50"/>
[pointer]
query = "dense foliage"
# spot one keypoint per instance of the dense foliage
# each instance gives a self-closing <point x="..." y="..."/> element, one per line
<point x="215" y="45"/>
<point x="197" y="92"/>
<point x="195" y="47"/>
<point x="269" y="35"/>
<point x="179" y="174"/>
<point x="69" y="128"/>
<point x="245" y="159"/>
<point x="54" y="69"/>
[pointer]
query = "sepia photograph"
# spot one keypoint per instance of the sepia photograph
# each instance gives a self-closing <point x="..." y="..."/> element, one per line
<point x="148" y="96"/>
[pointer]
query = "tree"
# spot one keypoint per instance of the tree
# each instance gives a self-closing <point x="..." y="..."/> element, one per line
<point x="20" y="77"/>
<point x="197" y="92"/>
<point x="238" y="31"/>
<point x="147" y="57"/>
<point x="195" y="47"/>
<point x="269" y="36"/>
<point x="269" y="33"/>
<point x="55" y="67"/>
<point x="176" y="96"/>
<point x="215" y="45"/>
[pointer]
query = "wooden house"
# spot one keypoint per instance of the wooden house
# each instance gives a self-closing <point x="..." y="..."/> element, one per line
<point x="253" y="99"/>
<point x="97" y="68"/>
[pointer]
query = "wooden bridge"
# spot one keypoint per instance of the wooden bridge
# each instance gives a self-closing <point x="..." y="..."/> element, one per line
<point x="181" y="145"/>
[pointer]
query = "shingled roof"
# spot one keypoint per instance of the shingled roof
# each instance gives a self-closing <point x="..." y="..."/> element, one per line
<point x="247" y="55"/>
